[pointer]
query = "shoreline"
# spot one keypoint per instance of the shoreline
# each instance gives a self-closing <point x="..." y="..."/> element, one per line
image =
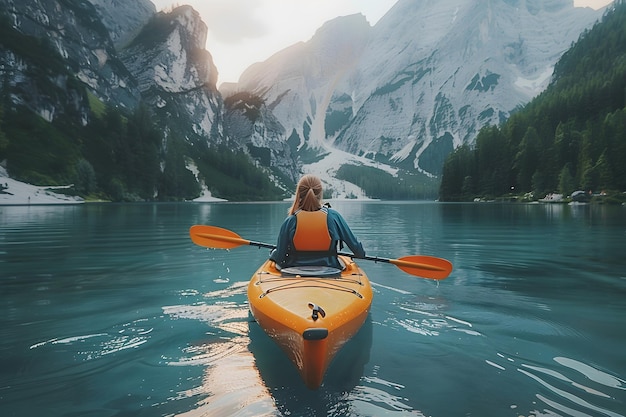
<point x="16" y="193"/>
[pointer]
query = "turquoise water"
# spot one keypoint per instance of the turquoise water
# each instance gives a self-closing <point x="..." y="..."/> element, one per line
<point x="111" y="310"/>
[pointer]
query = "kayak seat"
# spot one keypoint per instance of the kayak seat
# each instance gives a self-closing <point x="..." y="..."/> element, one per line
<point x="310" y="271"/>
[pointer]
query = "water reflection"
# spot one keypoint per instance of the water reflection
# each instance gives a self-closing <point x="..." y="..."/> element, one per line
<point x="230" y="384"/>
<point x="246" y="373"/>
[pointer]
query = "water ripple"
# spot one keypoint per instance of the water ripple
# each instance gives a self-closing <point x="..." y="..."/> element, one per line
<point x="428" y="323"/>
<point x="582" y="397"/>
<point x="369" y="400"/>
<point x="209" y="353"/>
<point x="592" y="373"/>
<point x="97" y="345"/>
<point x="569" y="396"/>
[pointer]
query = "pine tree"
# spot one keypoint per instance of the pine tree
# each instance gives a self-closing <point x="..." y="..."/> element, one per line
<point x="604" y="172"/>
<point x="566" y="181"/>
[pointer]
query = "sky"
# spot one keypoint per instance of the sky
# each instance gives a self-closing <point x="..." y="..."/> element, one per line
<point x="242" y="32"/>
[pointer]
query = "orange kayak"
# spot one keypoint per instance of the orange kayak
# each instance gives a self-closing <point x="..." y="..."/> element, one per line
<point x="310" y="312"/>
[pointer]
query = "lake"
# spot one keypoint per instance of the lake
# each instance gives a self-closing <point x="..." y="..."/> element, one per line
<point x="111" y="310"/>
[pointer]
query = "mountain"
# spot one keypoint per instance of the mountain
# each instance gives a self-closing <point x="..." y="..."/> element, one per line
<point x="131" y="103"/>
<point x="418" y="84"/>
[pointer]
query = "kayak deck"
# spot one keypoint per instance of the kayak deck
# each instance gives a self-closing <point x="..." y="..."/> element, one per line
<point x="310" y="312"/>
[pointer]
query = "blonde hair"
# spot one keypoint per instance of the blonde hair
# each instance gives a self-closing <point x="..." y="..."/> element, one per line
<point x="308" y="194"/>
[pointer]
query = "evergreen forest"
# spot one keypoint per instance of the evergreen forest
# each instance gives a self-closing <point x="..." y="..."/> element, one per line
<point x="121" y="156"/>
<point x="381" y="185"/>
<point x="572" y="137"/>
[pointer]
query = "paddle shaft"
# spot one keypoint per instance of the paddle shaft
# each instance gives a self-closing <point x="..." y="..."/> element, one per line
<point x="241" y="241"/>
<point x="397" y="262"/>
<point x="421" y="266"/>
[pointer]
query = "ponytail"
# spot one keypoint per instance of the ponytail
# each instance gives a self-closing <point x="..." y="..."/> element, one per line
<point x="308" y="194"/>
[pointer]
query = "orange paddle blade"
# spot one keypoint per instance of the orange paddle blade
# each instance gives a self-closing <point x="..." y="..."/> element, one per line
<point x="216" y="237"/>
<point x="424" y="266"/>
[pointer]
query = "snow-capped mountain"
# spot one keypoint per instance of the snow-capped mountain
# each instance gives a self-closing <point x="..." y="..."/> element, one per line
<point x="419" y="83"/>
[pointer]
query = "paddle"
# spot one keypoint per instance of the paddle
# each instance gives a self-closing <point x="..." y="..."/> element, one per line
<point x="417" y="265"/>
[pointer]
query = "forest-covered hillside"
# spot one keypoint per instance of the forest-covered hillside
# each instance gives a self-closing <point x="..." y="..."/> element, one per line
<point x="118" y="156"/>
<point x="571" y="137"/>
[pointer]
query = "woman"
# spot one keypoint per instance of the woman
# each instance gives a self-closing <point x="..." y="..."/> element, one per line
<point x="311" y="232"/>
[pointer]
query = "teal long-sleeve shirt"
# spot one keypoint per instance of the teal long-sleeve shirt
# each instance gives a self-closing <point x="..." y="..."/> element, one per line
<point x="285" y="254"/>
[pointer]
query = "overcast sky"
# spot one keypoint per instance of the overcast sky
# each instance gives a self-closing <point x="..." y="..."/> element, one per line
<point x="242" y="32"/>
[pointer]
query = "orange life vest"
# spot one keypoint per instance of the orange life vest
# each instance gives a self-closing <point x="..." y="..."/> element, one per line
<point x="312" y="233"/>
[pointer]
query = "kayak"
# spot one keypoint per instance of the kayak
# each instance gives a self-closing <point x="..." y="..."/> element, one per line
<point x="310" y="311"/>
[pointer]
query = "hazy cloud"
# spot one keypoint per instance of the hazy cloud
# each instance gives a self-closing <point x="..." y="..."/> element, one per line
<point x="242" y="32"/>
<point x="232" y="21"/>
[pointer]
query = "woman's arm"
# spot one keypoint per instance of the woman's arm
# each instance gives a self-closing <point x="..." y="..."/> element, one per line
<point x="345" y="234"/>
<point x="285" y="235"/>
